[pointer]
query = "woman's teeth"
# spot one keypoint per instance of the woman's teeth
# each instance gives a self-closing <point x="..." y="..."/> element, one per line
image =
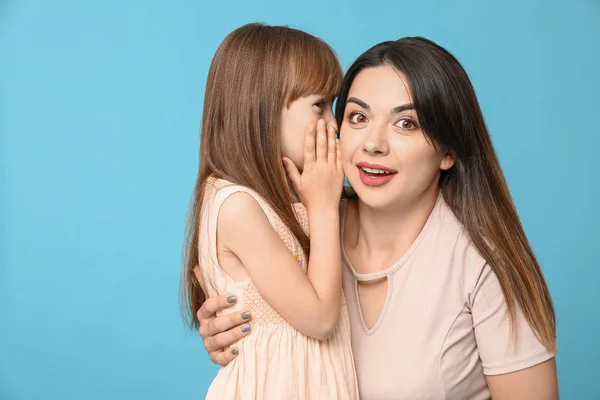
<point x="375" y="171"/>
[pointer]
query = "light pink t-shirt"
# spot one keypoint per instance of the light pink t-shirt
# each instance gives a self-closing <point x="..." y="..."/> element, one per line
<point x="444" y="322"/>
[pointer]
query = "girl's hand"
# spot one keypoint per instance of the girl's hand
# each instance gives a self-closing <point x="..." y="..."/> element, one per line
<point x="320" y="184"/>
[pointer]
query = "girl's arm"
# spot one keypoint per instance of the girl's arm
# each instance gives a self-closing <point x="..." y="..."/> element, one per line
<point x="308" y="301"/>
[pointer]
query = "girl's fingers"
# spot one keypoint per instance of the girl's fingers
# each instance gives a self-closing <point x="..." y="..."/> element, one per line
<point x="292" y="172"/>
<point x="332" y="149"/>
<point x="321" y="140"/>
<point x="338" y="155"/>
<point x="309" y="145"/>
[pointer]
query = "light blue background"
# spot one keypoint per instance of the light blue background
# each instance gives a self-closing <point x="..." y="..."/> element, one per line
<point x="100" y="103"/>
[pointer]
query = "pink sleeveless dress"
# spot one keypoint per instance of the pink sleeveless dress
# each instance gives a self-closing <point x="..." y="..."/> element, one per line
<point x="275" y="360"/>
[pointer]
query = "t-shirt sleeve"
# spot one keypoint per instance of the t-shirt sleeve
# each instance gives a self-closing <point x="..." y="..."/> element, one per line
<point x="499" y="352"/>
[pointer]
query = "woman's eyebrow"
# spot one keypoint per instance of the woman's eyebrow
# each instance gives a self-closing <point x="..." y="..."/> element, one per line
<point x="395" y="110"/>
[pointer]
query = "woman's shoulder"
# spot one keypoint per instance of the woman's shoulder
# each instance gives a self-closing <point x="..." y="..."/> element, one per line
<point x="455" y="239"/>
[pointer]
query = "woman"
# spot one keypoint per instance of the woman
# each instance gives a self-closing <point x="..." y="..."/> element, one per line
<point x="445" y="296"/>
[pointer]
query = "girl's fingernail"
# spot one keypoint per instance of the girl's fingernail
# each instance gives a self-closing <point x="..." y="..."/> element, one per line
<point x="235" y="351"/>
<point x="245" y="328"/>
<point x="231" y="299"/>
<point x="245" y="315"/>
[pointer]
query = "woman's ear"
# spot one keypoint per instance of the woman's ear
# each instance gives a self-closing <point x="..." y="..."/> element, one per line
<point x="448" y="161"/>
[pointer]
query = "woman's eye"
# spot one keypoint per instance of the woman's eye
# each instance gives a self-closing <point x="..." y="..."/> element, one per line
<point x="407" y="124"/>
<point x="357" y="118"/>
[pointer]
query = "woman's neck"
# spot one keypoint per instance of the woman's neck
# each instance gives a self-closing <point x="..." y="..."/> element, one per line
<point x="380" y="237"/>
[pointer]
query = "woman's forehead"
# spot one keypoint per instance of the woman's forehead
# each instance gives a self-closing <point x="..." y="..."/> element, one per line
<point x="382" y="86"/>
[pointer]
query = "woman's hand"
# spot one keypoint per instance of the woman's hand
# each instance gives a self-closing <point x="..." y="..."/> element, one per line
<point x="219" y="333"/>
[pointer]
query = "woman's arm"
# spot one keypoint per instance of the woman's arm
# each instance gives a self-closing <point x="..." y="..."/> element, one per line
<point x="516" y="364"/>
<point x="536" y="383"/>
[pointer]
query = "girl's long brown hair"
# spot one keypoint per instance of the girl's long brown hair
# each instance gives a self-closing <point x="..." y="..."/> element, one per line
<point x="256" y="72"/>
<point x="475" y="188"/>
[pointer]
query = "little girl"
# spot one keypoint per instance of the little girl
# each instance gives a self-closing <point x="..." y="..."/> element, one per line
<point x="248" y="232"/>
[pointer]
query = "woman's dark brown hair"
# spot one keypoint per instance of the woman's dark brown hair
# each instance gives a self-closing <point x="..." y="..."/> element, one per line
<point x="475" y="187"/>
<point x="256" y="72"/>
